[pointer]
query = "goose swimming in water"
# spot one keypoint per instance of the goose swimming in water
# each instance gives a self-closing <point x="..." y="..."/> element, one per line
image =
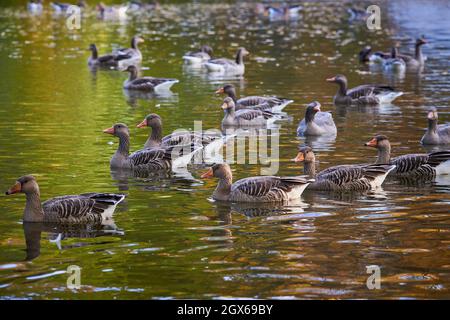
<point x="285" y="12"/>
<point x="316" y="122"/>
<point x="420" y="165"/>
<point x="272" y="104"/>
<point x="343" y="177"/>
<point x="130" y="56"/>
<point x="116" y="12"/>
<point x="223" y="65"/>
<point x="254" y="189"/>
<point x="149" y="84"/>
<point x="106" y="61"/>
<point x="394" y="63"/>
<point x="209" y="140"/>
<point x="366" y="55"/>
<point x="436" y="134"/>
<point x="82" y="208"/>
<point x="35" y="6"/>
<point x="367" y="94"/>
<point x="59" y="7"/>
<point x="147" y="159"/>
<point x="245" y="117"/>
<point x="198" y="58"/>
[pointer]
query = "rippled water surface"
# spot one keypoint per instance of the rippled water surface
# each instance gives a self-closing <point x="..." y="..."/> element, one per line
<point x="169" y="239"/>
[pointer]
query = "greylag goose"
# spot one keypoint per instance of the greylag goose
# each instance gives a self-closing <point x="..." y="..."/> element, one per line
<point x="418" y="60"/>
<point x="228" y="66"/>
<point x="245" y="117"/>
<point x="316" y="122"/>
<point x="35" y="6"/>
<point x="59" y="7"/>
<point x="366" y="55"/>
<point x="147" y="159"/>
<point x="272" y="104"/>
<point x="200" y="57"/>
<point x="411" y="165"/>
<point x="436" y="134"/>
<point x="285" y="12"/>
<point x="394" y="63"/>
<point x="138" y="6"/>
<point x="149" y="84"/>
<point x="130" y="56"/>
<point x="83" y="208"/>
<point x="367" y="94"/>
<point x="107" y="60"/>
<point x="117" y="12"/>
<point x="156" y="140"/>
<point x="254" y="189"/>
<point x="343" y="177"/>
<point x="357" y="14"/>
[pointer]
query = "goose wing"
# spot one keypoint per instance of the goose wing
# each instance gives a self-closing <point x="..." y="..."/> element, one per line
<point x="107" y="58"/>
<point x="443" y="131"/>
<point x="267" y="187"/>
<point x="148" y="156"/>
<point x="183" y="138"/>
<point x="250" y="114"/>
<point x="223" y="62"/>
<point x="353" y="177"/>
<point x="368" y="90"/>
<point x="324" y="119"/>
<point x="147" y="83"/>
<point x="83" y="207"/>
<point x="341" y="174"/>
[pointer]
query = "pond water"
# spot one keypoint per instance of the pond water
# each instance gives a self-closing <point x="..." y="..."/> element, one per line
<point x="170" y="240"/>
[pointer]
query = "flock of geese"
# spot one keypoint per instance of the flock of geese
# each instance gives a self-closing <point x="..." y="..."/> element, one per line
<point x="176" y="149"/>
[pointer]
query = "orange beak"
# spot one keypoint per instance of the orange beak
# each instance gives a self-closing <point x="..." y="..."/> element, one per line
<point x="17" y="187"/>
<point x="219" y="91"/>
<point x="372" y="143"/>
<point x="208" y="174"/>
<point x="109" y="130"/>
<point x="142" y="124"/>
<point x="331" y="79"/>
<point x="300" y="157"/>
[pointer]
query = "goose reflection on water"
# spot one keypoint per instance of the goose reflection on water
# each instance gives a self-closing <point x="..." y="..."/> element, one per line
<point x="59" y="232"/>
<point x="132" y="96"/>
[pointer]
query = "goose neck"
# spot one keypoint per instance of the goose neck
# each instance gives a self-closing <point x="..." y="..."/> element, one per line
<point x="33" y="208"/>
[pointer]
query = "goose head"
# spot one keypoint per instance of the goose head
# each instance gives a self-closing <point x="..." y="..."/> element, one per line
<point x="132" y="70"/>
<point x="364" y="54"/>
<point x="227" y="89"/>
<point x="100" y="7"/>
<point x="228" y="104"/>
<point x="152" y="120"/>
<point x="432" y="114"/>
<point x="135" y="41"/>
<point x="218" y="170"/>
<point x="311" y="110"/>
<point x="26" y="184"/>
<point x="379" y="142"/>
<point x="305" y="154"/>
<point x="206" y="49"/>
<point x="118" y="130"/>
<point x="92" y="47"/>
<point x="244" y="51"/>
<point x="421" y="41"/>
<point x="339" y="79"/>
